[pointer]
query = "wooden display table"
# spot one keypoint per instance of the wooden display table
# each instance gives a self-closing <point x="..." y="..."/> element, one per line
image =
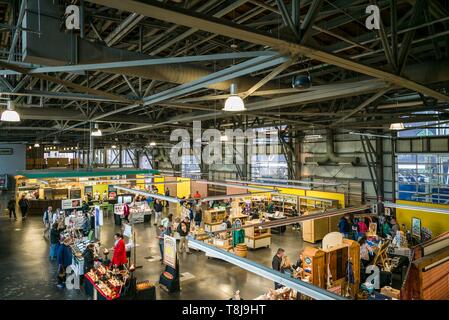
<point x="243" y="218"/>
<point x="213" y="216"/>
<point x="255" y="237"/>
<point x="212" y="227"/>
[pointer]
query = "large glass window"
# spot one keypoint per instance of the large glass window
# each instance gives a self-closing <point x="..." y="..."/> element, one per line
<point x="423" y="177"/>
<point x="269" y="166"/>
<point x="190" y="167"/>
<point x="424" y="129"/>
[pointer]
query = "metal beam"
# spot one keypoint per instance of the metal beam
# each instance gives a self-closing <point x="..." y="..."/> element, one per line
<point x="362" y="106"/>
<point x="307" y="24"/>
<point x="15" y="37"/>
<point x="163" y="12"/>
<point x="143" y="63"/>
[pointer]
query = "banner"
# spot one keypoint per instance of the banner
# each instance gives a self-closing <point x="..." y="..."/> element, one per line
<point x="71" y="204"/>
<point x="127" y="232"/>
<point x="170" y="251"/>
<point x="112" y="192"/>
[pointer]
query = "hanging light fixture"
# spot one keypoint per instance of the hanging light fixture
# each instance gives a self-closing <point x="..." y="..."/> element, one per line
<point x="234" y="103"/>
<point x="113" y="146"/>
<point x="56" y="141"/>
<point x="10" y="115"/>
<point x="37" y="145"/>
<point x="152" y="144"/>
<point x="97" y="132"/>
<point x="224" y="138"/>
<point x="397" y="126"/>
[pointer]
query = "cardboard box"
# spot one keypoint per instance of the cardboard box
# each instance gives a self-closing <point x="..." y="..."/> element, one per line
<point x="390" y="292"/>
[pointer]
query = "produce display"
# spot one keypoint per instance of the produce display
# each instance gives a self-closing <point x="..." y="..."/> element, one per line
<point x="108" y="282"/>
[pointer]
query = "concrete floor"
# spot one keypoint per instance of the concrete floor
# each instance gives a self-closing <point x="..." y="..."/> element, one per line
<point x="27" y="273"/>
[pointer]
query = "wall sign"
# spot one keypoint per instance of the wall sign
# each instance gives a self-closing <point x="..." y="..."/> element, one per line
<point x="72" y="20"/>
<point x="416" y="228"/>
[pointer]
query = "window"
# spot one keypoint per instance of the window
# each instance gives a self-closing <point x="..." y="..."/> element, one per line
<point x="423" y="177"/>
<point x="190" y="167"/>
<point x="269" y="166"/>
<point x="425" y="129"/>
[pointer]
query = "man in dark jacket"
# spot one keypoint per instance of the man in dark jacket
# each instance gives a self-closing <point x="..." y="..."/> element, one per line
<point x="54" y="241"/>
<point x="12" y="208"/>
<point x="24" y="205"/>
<point x="276" y="265"/>
<point x="198" y="216"/>
<point x="89" y="258"/>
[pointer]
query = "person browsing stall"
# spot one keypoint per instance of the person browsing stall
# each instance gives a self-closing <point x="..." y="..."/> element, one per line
<point x="12" y="208"/>
<point x="163" y="232"/>
<point x="46" y="219"/>
<point x="183" y="230"/>
<point x="119" y="256"/>
<point x="276" y="264"/>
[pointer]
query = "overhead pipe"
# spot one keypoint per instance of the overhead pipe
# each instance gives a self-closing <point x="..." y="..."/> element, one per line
<point x="330" y="154"/>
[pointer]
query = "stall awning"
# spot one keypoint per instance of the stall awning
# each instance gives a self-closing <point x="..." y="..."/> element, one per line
<point x="82" y="173"/>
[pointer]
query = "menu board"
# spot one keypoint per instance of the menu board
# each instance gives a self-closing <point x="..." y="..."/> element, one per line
<point x="170" y="251"/>
<point x="88" y="189"/>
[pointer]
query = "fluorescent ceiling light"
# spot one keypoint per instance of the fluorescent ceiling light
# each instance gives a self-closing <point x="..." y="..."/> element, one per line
<point x="397" y="126"/>
<point x="310" y="137"/>
<point x="234" y="103"/>
<point x="10" y="115"/>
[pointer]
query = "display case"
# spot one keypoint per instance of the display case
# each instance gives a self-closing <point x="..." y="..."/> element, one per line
<point x="255" y="237"/>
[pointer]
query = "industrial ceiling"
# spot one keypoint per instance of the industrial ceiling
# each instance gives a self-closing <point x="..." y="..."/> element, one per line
<point x="141" y="68"/>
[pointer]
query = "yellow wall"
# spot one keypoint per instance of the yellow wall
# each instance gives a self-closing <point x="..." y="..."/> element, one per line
<point x="327" y="195"/>
<point x="295" y="191"/>
<point x="436" y="222"/>
<point x="160" y="187"/>
<point x="140" y="182"/>
<point x="183" y="188"/>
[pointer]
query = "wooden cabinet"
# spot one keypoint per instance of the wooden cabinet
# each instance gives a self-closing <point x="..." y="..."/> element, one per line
<point x="313" y="265"/>
<point x="213" y="216"/>
<point x="314" y="230"/>
<point x="255" y="237"/>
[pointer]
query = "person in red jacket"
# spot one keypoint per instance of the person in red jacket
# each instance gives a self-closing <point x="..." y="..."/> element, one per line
<point x="119" y="257"/>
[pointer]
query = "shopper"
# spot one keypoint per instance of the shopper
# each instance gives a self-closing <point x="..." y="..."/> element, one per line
<point x="46" y="219"/>
<point x="64" y="257"/>
<point x="126" y="212"/>
<point x="295" y="213"/>
<point x="119" y="256"/>
<point x="198" y="216"/>
<point x="158" y="210"/>
<point x="344" y="226"/>
<point x="394" y="227"/>
<point x="89" y="257"/>
<point x="183" y="231"/>
<point x="85" y="207"/>
<point x="386" y="229"/>
<point x="12" y="208"/>
<point x="167" y="194"/>
<point x="168" y="223"/>
<point x="197" y="195"/>
<point x="228" y="223"/>
<point x="24" y="205"/>
<point x="162" y="233"/>
<point x="86" y="224"/>
<point x="54" y="241"/>
<point x="363" y="228"/>
<point x="276" y="265"/>
<point x="366" y="253"/>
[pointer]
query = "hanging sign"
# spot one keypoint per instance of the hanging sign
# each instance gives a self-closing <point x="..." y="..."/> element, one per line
<point x="112" y="192"/>
<point x="127" y="232"/>
<point x="170" y="251"/>
<point x="71" y="204"/>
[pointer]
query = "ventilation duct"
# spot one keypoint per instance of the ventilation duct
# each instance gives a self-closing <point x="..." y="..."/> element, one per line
<point x="53" y="47"/>
<point x="330" y="156"/>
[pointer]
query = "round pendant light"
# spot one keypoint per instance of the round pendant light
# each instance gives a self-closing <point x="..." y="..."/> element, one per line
<point x="10" y="115"/>
<point x="397" y="126"/>
<point x="234" y="103"/>
<point x="97" y="132"/>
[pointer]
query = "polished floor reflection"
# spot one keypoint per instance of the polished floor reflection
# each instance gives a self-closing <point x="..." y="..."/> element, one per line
<point x="27" y="273"/>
